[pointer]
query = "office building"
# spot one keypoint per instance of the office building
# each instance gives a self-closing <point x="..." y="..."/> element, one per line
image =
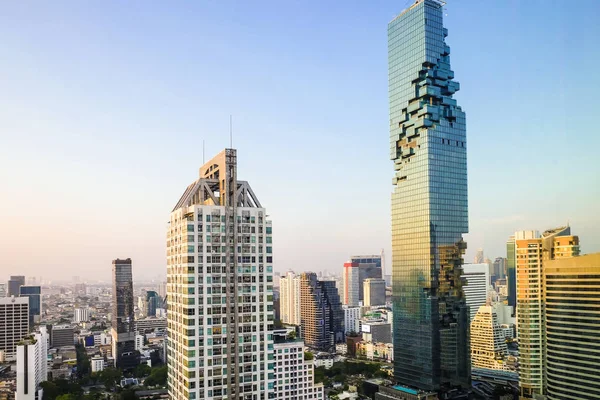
<point x="499" y="267"/>
<point x="3" y="291"/>
<point x="32" y="366"/>
<point x="352" y="317"/>
<point x="477" y="277"/>
<point x="289" y="300"/>
<point x="374" y="292"/>
<point x="14" y="285"/>
<point x="220" y="288"/>
<point x="321" y="314"/>
<point x="122" y="324"/>
<point x="14" y="323"/>
<point x="35" y="302"/>
<point x="376" y="330"/>
<point x="532" y="253"/>
<point x="488" y="343"/>
<point x="151" y="303"/>
<point x="62" y="336"/>
<point x="572" y="298"/>
<point x="356" y="271"/>
<point x="294" y="375"/>
<point x="511" y="271"/>
<point x="81" y="314"/>
<point x="429" y="203"/>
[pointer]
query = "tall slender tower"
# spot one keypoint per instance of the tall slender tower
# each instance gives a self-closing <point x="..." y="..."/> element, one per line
<point x="122" y="324"/>
<point x="429" y="203"/>
<point x="220" y="289"/>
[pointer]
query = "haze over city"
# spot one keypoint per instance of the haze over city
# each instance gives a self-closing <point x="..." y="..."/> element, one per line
<point x="105" y="110"/>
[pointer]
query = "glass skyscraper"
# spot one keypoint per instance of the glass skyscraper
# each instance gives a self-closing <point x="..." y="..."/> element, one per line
<point x="429" y="203"/>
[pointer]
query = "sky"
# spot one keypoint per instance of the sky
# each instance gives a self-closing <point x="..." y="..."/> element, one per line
<point x="104" y="107"/>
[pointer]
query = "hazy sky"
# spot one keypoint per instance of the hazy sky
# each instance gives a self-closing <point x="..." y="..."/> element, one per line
<point x="104" y="107"/>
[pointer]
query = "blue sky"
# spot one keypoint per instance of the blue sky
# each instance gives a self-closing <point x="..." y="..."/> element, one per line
<point x="105" y="105"/>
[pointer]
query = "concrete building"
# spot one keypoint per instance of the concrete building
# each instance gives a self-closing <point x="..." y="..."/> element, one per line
<point x="488" y="346"/>
<point x="3" y="290"/>
<point x="97" y="363"/>
<point x="220" y="288"/>
<point x="352" y="317"/>
<point x="294" y="374"/>
<point x="477" y="286"/>
<point x="122" y="324"/>
<point x="376" y="331"/>
<point x="532" y="253"/>
<point x="289" y="286"/>
<point x="499" y="267"/>
<point x="62" y="336"/>
<point x="14" y="324"/>
<point x="14" y="285"/>
<point x="146" y="325"/>
<point x="81" y="314"/>
<point x="374" y="292"/>
<point x="35" y="302"/>
<point x="356" y="271"/>
<point x="32" y="366"/>
<point x="139" y="342"/>
<point x="572" y="323"/>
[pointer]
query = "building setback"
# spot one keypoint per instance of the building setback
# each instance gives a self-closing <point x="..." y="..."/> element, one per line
<point x="220" y="289"/>
<point x="429" y="203"/>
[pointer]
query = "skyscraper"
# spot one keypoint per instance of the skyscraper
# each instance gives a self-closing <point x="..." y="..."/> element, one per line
<point x="151" y="303"/>
<point x="374" y="292"/>
<point x="321" y="313"/>
<point x="511" y="271"/>
<point x="35" y="302"/>
<point x="499" y="267"/>
<point x="220" y="289"/>
<point x="356" y="271"/>
<point x="122" y="324"/>
<point x="14" y="283"/>
<point x="32" y="366"/>
<point x="488" y="345"/>
<point x="429" y="203"/>
<point x="477" y="277"/>
<point x="532" y="254"/>
<point x="478" y="259"/>
<point x="572" y="298"/>
<point x="14" y="323"/>
<point x="289" y="287"/>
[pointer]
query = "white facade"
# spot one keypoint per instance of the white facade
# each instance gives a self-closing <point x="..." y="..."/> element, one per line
<point x="289" y="291"/>
<point x="294" y="375"/>
<point x="139" y="342"/>
<point x="352" y="317"/>
<point x="81" y="315"/>
<point x="14" y="324"/>
<point x="32" y="366"/>
<point x="477" y="287"/>
<point x="97" y="364"/>
<point x="3" y="290"/>
<point x="488" y="346"/>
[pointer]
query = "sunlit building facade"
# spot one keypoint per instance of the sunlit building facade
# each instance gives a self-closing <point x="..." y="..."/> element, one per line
<point x="220" y="289"/>
<point x="429" y="203"/>
<point x="488" y="343"/>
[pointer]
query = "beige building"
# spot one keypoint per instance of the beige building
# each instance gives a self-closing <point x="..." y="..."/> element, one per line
<point x="533" y="251"/>
<point x="289" y="290"/>
<point x="488" y="344"/>
<point x="572" y="298"/>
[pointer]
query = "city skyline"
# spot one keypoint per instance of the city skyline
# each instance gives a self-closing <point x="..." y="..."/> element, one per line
<point x="102" y="112"/>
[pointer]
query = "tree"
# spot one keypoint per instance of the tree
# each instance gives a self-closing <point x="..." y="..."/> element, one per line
<point x="308" y="355"/>
<point x="142" y="371"/>
<point x="66" y="396"/>
<point x="158" y="376"/>
<point x="51" y="390"/>
<point x="109" y="377"/>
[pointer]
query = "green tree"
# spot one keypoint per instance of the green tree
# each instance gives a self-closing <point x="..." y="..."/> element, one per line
<point x="66" y="396"/>
<point x="51" y="390"/>
<point x="308" y="355"/>
<point x="109" y="377"/>
<point x="142" y="371"/>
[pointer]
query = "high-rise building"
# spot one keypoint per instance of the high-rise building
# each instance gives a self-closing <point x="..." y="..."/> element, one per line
<point x="151" y="303"/>
<point x="478" y="259"/>
<point x="81" y="314"/>
<point x="14" y="323"/>
<point x="500" y="267"/>
<point x="352" y="317"/>
<point x="3" y="291"/>
<point x="122" y="324"/>
<point x="477" y="277"/>
<point x="488" y="344"/>
<point x="351" y="282"/>
<point x="14" y="283"/>
<point x="321" y="314"/>
<point x="532" y="254"/>
<point x="290" y="361"/>
<point x="572" y="298"/>
<point x="429" y="203"/>
<point x="356" y="271"/>
<point x="32" y="366"/>
<point x="220" y="289"/>
<point x="35" y="302"/>
<point x="62" y="336"/>
<point x="374" y="292"/>
<point x="289" y="286"/>
<point x="511" y="271"/>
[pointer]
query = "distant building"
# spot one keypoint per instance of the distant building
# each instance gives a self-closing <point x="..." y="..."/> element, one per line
<point x="289" y="298"/>
<point x="62" y="336"/>
<point x="572" y="307"/>
<point x="97" y="363"/>
<point x="14" y="285"/>
<point x="376" y="331"/>
<point x="488" y="346"/>
<point x="352" y="317"/>
<point x="81" y="315"/>
<point x="511" y="271"/>
<point x="3" y="291"/>
<point x="290" y="361"/>
<point x="356" y="271"/>
<point x="477" y="277"/>
<point x="122" y="324"/>
<point x="374" y="292"/>
<point x="499" y="267"/>
<point x="14" y="323"/>
<point x="35" y="302"/>
<point x="146" y="325"/>
<point x="152" y="302"/>
<point x="139" y="342"/>
<point x="32" y="366"/>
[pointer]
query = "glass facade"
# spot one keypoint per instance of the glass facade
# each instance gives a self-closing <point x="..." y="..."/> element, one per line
<point x="511" y="272"/>
<point x="429" y="203"/>
<point x="35" y="302"/>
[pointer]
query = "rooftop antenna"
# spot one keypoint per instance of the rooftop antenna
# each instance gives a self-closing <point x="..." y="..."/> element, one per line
<point x="230" y="131"/>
